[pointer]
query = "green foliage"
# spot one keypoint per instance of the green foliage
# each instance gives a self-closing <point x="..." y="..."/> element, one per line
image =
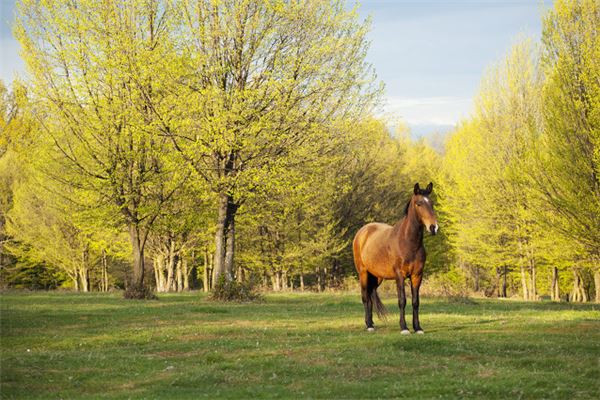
<point x="570" y="146"/>
<point x="181" y="131"/>
<point x="485" y="194"/>
<point x="24" y="274"/>
<point x="95" y="69"/>
<point x="142" y="100"/>
<point x="520" y="180"/>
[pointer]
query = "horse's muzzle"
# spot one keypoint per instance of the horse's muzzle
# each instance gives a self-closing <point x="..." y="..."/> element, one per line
<point x="433" y="228"/>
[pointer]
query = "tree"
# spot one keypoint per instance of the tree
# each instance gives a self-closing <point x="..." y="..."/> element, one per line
<point x="179" y="232"/>
<point x="569" y="172"/>
<point x="486" y="193"/>
<point x="96" y="76"/>
<point x="265" y="81"/>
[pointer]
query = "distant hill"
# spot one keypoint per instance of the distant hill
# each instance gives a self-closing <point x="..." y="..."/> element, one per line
<point x="419" y="130"/>
<point x="434" y="134"/>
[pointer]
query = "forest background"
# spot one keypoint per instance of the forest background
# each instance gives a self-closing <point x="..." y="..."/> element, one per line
<point x="167" y="145"/>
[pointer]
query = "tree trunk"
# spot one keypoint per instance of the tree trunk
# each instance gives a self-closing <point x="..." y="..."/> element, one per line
<point x="575" y="291"/>
<point x="533" y="292"/>
<point x="302" y="281"/>
<point x="476" y="279"/>
<point x="179" y="275"/>
<point x="319" y="279"/>
<point x="284" y="280"/>
<point x="84" y="273"/>
<point x="205" y="282"/>
<point x="578" y="294"/>
<point x="239" y="275"/>
<point x="497" y="283"/>
<point x="156" y="272"/>
<point x="186" y="275"/>
<point x="104" y="272"/>
<point x="171" y="267"/>
<point x="265" y="280"/>
<point x="162" y="270"/>
<point x="278" y="280"/>
<point x="524" y="282"/>
<point x="75" y="278"/>
<point x="523" y="272"/>
<point x="597" y="284"/>
<point x="504" y="273"/>
<point x="84" y="277"/>
<point x="335" y="272"/>
<point x="230" y="241"/>
<point x="137" y="243"/>
<point x="219" y="267"/>
<point x="554" y="287"/>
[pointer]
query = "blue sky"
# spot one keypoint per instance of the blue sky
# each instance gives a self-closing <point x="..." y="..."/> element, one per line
<point x="430" y="54"/>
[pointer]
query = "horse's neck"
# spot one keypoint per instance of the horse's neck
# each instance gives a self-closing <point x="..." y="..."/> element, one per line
<point x="409" y="230"/>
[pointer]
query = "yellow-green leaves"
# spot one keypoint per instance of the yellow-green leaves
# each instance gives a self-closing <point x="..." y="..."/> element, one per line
<point x="521" y="176"/>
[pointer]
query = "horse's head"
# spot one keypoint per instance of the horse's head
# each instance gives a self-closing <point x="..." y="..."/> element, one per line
<point x="424" y="208"/>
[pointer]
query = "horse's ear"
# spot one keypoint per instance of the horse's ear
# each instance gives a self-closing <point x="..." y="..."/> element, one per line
<point x="417" y="189"/>
<point x="429" y="188"/>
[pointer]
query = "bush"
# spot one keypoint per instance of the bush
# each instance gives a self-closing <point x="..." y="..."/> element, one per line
<point x="231" y="290"/>
<point x="22" y="274"/>
<point x="139" y="293"/>
<point x="450" y="284"/>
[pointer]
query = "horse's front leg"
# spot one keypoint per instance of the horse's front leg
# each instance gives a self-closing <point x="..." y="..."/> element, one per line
<point x="415" y="284"/>
<point x="402" y="303"/>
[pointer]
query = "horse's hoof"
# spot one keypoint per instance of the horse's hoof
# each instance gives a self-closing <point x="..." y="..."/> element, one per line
<point x="370" y="329"/>
<point x="420" y="332"/>
<point x="405" y="332"/>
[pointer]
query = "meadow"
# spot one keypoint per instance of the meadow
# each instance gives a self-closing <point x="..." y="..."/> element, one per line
<point x="67" y="345"/>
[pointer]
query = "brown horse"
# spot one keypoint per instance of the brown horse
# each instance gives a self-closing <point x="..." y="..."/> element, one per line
<point x="395" y="252"/>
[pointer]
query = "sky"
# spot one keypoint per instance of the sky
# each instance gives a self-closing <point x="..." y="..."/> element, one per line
<point x="431" y="54"/>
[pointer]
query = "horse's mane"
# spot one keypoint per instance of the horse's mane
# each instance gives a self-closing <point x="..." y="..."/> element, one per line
<point x="406" y="207"/>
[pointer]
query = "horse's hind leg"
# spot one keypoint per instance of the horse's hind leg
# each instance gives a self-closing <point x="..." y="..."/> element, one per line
<point x="366" y="299"/>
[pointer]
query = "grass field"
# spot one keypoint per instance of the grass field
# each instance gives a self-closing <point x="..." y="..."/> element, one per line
<point x="57" y="345"/>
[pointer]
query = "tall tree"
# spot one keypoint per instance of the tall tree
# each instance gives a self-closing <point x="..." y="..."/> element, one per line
<point x="266" y="79"/>
<point x="569" y="175"/>
<point x="486" y="195"/>
<point x="96" y="68"/>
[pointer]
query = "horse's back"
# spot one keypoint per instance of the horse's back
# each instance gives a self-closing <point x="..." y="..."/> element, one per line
<point x="370" y="243"/>
<point x="374" y="228"/>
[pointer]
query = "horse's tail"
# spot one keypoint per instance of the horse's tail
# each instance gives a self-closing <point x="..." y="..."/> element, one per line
<point x="379" y="307"/>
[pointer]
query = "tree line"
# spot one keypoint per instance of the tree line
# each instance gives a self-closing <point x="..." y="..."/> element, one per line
<point x="172" y="144"/>
<point x="521" y="183"/>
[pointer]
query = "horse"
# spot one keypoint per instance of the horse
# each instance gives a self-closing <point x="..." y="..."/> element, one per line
<point x="395" y="252"/>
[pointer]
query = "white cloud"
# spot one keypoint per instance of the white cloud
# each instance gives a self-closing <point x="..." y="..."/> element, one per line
<point x="439" y="110"/>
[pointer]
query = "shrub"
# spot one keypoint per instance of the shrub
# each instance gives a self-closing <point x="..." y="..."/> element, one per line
<point x="139" y="293"/>
<point x="450" y="284"/>
<point x="231" y="290"/>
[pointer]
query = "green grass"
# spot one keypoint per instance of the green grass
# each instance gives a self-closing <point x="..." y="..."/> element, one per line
<point x="57" y="345"/>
